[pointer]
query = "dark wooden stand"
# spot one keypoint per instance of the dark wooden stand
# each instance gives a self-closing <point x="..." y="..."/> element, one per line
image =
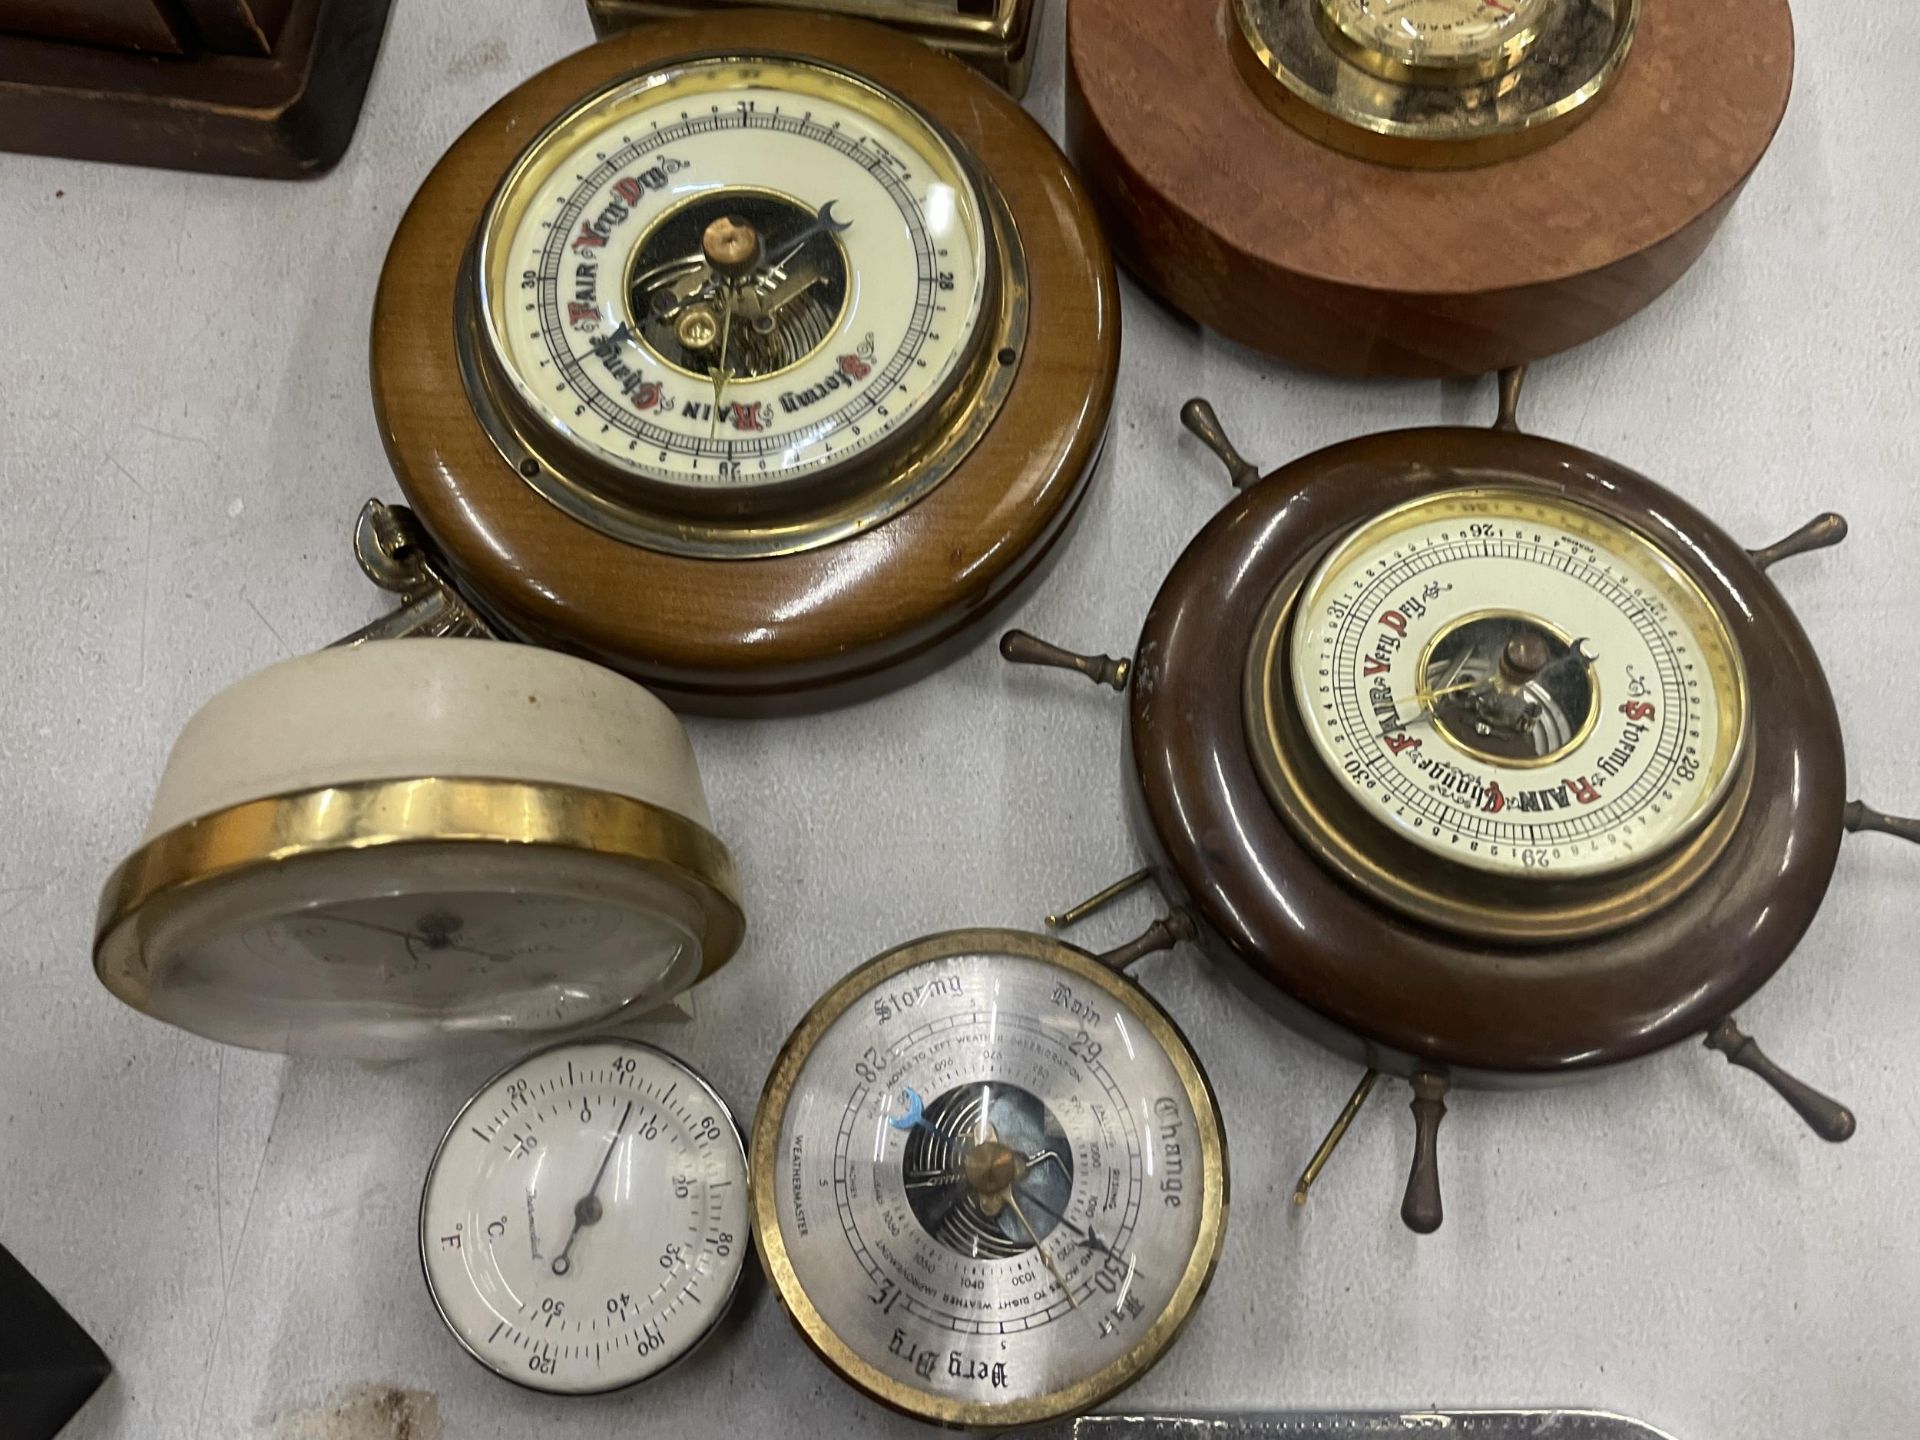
<point x="243" y="87"/>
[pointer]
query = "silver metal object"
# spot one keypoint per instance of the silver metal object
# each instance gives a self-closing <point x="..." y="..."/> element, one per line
<point x="393" y="549"/>
<point x="1361" y="1425"/>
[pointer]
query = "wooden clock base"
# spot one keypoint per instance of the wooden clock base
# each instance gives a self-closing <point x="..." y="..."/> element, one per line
<point x="283" y="113"/>
<point x="1339" y="264"/>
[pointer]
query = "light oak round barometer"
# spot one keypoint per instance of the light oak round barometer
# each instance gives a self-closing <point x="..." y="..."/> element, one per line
<point x="757" y="357"/>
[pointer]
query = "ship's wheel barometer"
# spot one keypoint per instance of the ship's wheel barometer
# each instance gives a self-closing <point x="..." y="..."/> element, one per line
<point x="1420" y="187"/>
<point x="756" y="356"/>
<point x="1490" y="760"/>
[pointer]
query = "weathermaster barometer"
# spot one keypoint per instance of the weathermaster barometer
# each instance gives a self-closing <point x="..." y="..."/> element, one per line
<point x="990" y="1177"/>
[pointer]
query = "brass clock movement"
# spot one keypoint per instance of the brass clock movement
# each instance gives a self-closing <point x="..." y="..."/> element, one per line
<point x="1419" y="187"/>
<point x="758" y="356"/>
<point x="1486" y="760"/>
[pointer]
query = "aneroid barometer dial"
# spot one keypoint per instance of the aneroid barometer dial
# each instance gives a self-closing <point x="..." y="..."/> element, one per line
<point x="584" y="1222"/>
<point x="735" y="272"/>
<point x="1518" y="683"/>
<point x="991" y="1179"/>
<point x="724" y="282"/>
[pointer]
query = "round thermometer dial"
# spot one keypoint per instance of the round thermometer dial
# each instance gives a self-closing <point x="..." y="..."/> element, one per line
<point x="584" y="1221"/>
<point x="1519" y="684"/>
<point x="734" y="273"/>
<point x="993" y="1179"/>
<point x="1481" y="35"/>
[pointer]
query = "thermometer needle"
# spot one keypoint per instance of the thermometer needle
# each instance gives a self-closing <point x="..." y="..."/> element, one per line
<point x="412" y="939"/>
<point x="587" y="1209"/>
<point x="1039" y="1249"/>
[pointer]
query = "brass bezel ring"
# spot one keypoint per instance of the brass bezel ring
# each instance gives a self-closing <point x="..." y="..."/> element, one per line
<point x="771" y="1246"/>
<point x="1331" y="120"/>
<point x="821" y="509"/>
<point x="286" y="829"/>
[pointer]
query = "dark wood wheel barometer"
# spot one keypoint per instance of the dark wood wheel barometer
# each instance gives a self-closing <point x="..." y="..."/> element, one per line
<point x="1489" y="759"/>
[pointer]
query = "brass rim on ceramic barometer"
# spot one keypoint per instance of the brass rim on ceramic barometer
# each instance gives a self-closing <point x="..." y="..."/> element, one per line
<point x="764" y="1159"/>
<point x="789" y="515"/>
<point x="1425" y="885"/>
<point x="1451" y="114"/>
<point x="269" y="834"/>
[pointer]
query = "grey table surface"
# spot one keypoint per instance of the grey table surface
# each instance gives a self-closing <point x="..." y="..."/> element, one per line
<point x="185" y="435"/>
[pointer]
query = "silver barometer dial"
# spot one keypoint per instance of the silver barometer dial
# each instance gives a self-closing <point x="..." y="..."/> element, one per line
<point x="991" y="1179"/>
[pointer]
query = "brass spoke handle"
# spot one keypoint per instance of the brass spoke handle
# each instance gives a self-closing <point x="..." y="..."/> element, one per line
<point x="1826" y="1117"/>
<point x="1860" y="816"/>
<point x="1020" y="648"/>
<point x="1199" y="417"/>
<point x="1420" y="1210"/>
<point x="1817" y="534"/>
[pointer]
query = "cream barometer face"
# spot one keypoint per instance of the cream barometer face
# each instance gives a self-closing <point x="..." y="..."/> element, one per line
<point x="991" y="1179"/>
<point x="720" y="285"/>
<point x="1518" y="684"/>
<point x="584" y="1222"/>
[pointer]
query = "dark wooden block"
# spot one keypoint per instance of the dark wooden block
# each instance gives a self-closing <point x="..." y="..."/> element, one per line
<point x="125" y="24"/>
<point x="284" y="114"/>
<point x="239" y="27"/>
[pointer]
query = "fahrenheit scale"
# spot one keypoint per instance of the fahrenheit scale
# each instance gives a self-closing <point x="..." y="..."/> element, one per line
<point x="584" y="1222"/>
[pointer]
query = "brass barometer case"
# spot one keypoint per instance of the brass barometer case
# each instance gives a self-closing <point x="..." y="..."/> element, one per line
<point x="1484" y="760"/>
<point x="760" y="356"/>
<point x="990" y="1176"/>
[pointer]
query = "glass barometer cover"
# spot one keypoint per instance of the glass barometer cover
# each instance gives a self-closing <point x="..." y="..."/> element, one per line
<point x="1440" y="34"/>
<point x="584" y="1222"/>
<point x="991" y="1179"/>
<point x="419" y="844"/>
<point x="1518" y="683"/>
<point x="732" y="277"/>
